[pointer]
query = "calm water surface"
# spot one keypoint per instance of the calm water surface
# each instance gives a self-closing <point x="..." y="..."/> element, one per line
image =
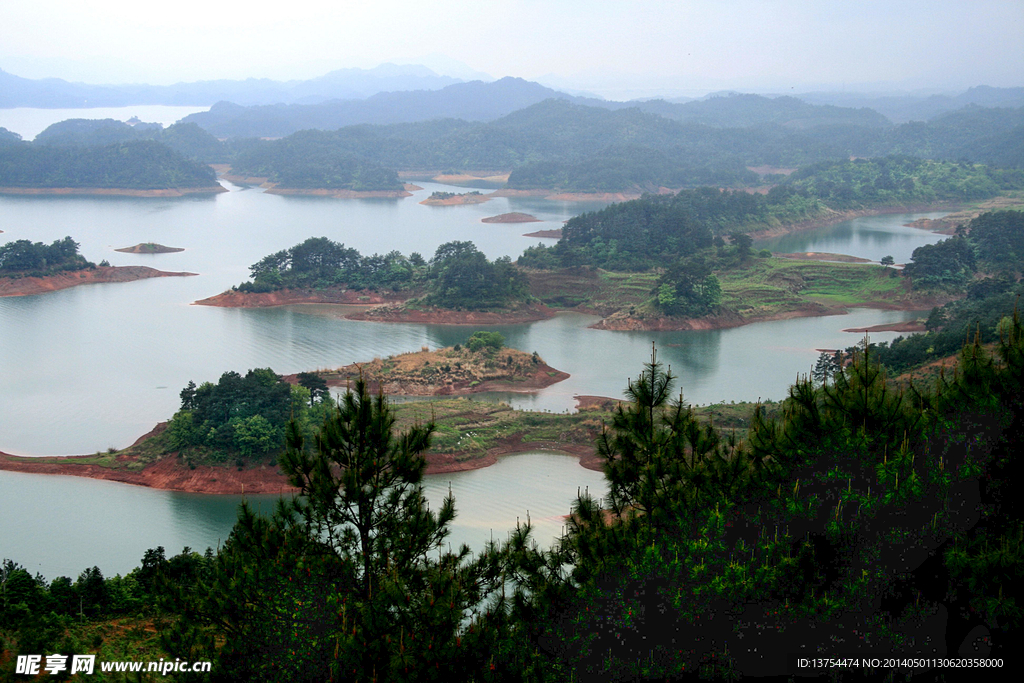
<point x="58" y="526"/>
<point x="97" y="366"/>
<point x="29" y="122"/>
<point x="870" y="237"/>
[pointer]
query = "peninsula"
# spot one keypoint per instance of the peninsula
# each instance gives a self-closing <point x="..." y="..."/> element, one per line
<point x="27" y="286"/>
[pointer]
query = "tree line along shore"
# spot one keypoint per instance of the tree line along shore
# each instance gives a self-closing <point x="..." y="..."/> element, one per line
<point x="674" y="261"/>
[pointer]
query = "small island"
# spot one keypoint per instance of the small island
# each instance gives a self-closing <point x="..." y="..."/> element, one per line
<point x="149" y="248"/>
<point x="484" y="363"/>
<point x="28" y="268"/>
<point x="458" y="285"/>
<point x="513" y="217"/>
<point x="456" y="199"/>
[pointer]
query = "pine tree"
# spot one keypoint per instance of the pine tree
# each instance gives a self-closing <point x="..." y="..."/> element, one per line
<point x="348" y="581"/>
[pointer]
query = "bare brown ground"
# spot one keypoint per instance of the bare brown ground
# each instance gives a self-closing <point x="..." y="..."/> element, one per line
<point x="823" y="256"/>
<point x="907" y="326"/>
<point x="445" y="372"/>
<point x="514" y="217"/>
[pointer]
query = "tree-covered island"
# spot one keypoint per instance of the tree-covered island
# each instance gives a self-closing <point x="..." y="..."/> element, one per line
<point x="458" y="284"/>
<point x="28" y="268"/>
<point x="674" y="261"/>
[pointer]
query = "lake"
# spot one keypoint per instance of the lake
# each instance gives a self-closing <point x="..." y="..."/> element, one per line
<point x="28" y="122"/>
<point x="94" y="367"/>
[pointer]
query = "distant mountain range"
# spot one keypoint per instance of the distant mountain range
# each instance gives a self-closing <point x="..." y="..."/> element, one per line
<point x="478" y="101"/>
<point x="56" y="93"/>
<point x="392" y="93"/>
<point x="904" y="108"/>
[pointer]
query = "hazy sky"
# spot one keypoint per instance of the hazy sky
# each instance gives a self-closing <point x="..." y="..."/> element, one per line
<point x="609" y="46"/>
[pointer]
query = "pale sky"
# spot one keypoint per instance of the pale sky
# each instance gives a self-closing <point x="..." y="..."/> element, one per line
<point x="615" y="48"/>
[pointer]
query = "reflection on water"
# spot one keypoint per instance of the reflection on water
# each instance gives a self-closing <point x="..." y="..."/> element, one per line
<point x="870" y="237"/>
<point x="62" y="525"/>
<point x="97" y="366"/>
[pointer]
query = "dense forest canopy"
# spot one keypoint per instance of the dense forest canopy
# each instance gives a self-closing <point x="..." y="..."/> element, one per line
<point x="982" y="263"/>
<point x="23" y="257"/>
<point x="572" y="144"/>
<point x="556" y="144"/>
<point x="320" y="262"/>
<point x="311" y="160"/>
<point x="139" y="165"/>
<point x="8" y="137"/>
<point x="657" y="230"/>
<point x="243" y="416"/>
<point x="458" y="276"/>
<point x="187" y="139"/>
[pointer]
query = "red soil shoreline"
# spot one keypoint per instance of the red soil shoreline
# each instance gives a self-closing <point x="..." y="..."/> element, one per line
<point x="341" y="194"/>
<point x="28" y="286"/>
<point x="400" y="314"/>
<point x="289" y="297"/>
<point x="906" y="326"/>
<point x="169" y="474"/>
<point x="112" y="191"/>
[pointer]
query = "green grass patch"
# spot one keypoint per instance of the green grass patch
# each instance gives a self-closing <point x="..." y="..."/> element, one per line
<point x="778" y="285"/>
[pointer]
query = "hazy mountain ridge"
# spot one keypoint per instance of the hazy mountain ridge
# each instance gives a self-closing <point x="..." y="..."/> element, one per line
<point x="478" y="101"/>
<point x="902" y="108"/>
<point x="340" y="84"/>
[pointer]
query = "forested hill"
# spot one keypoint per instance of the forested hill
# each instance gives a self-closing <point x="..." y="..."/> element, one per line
<point x="141" y="165"/>
<point x="474" y="101"/>
<point x="8" y="138"/>
<point x="736" y="110"/>
<point x="187" y="139"/>
<point x="478" y="101"/>
<point x="311" y="159"/>
<point x="657" y="230"/>
<point x="556" y="144"/>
